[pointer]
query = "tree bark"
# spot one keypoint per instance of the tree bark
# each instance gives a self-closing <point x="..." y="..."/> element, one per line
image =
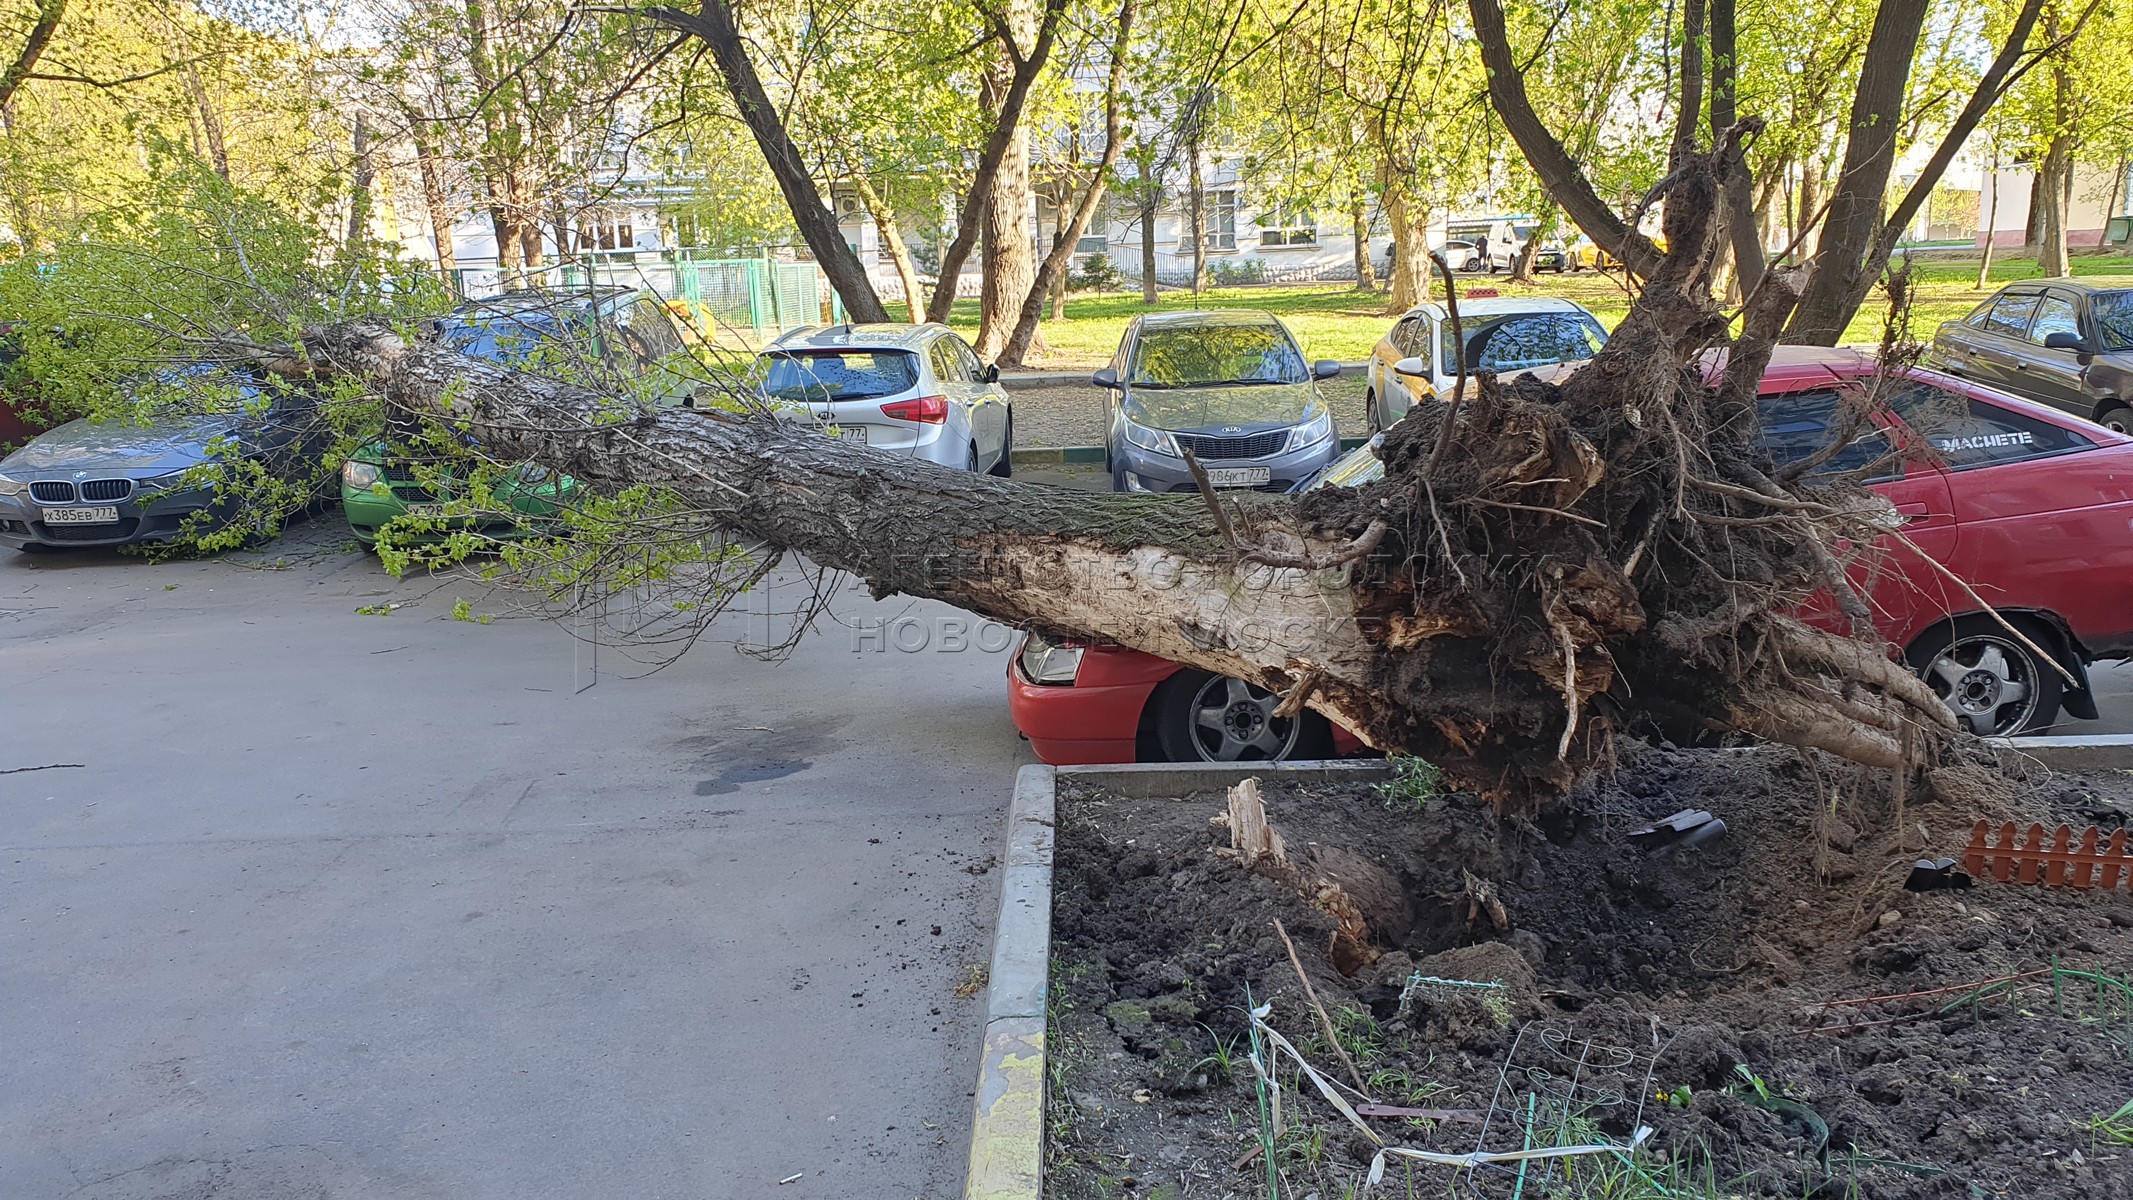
<point x="359" y="182"/>
<point x="46" y="23"/>
<point x="1051" y="274"/>
<point x="1688" y="116"/>
<point x="1529" y="254"/>
<point x="1992" y="220"/>
<point x="1410" y="250"/>
<point x="1196" y="219"/>
<point x="1007" y="128"/>
<point x="713" y="23"/>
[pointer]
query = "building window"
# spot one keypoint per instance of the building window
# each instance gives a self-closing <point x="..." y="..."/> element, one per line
<point x="1095" y="243"/>
<point x="1290" y="230"/>
<point x="1221" y="216"/>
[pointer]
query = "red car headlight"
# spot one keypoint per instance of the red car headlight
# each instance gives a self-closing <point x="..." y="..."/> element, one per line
<point x="1048" y="662"/>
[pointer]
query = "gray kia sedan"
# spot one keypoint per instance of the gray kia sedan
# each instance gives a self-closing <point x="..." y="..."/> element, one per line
<point x="112" y="483"/>
<point x="1229" y="386"/>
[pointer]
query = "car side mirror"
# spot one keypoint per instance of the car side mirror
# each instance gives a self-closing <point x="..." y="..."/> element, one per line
<point x="2066" y="341"/>
<point x="1414" y="367"/>
<point x="989" y="373"/>
<point x="1325" y="368"/>
<point x="1106" y="378"/>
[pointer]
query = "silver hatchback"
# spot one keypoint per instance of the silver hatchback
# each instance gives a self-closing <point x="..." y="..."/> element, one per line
<point x="916" y="390"/>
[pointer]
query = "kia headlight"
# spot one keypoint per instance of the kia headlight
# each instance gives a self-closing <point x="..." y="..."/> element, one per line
<point x="360" y="475"/>
<point x="1316" y="428"/>
<point x="1155" y="440"/>
<point x="1046" y="661"/>
<point x="12" y="487"/>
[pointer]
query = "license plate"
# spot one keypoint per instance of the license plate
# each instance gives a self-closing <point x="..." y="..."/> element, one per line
<point x="852" y="433"/>
<point x="1239" y="476"/>
<point x="425" y="510"/>
<point x="106" y="515"/>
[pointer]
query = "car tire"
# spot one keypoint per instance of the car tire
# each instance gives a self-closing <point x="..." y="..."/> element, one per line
<point x="1370" y="412"/>
<point x="2118" y="418"/>
<point x="1005" y="468"/>
<point x="970" y="459"/>
<point x="1994" y="684"/>
<point x="1202" y="717"/>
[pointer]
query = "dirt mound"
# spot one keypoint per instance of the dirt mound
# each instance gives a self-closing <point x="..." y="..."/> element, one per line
<point x="1777" y="1008"/>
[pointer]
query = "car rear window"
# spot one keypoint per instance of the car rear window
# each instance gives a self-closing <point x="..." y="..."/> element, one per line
<point x="1797" y="425"/>
<point x="1967" y="432"/>
<point x="839" y="374"/>
<point x="1537" y="340"/>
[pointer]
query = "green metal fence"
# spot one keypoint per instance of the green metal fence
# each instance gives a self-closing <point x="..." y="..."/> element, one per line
<point x="745" y="299"/>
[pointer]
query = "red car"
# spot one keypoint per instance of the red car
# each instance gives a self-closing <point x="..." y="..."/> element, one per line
<point x="2030" y="506"/>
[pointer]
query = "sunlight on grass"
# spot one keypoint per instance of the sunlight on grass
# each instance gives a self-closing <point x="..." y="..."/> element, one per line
<point x="1336" y="321"/>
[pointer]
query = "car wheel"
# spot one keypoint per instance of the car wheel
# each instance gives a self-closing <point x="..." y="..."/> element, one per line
<point x="1994" y="684"/>
<point x="2118" y="419"/>
<point x="1201" y="717"/>
<point x="1005" y="468"/>
<point x="970" y="459"/>
<point x="1370" y="412"/>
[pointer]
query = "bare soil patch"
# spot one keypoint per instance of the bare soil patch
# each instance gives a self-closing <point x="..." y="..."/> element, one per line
<point x="1697" y="991"/>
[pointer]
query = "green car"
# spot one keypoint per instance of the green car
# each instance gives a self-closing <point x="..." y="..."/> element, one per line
<point x="621" y="334"/>
<point x="377" y="487"/>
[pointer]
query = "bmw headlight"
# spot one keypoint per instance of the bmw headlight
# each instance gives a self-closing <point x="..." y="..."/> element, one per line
<point x="1152" y="439"/>
<point x="360" y="475"/>
<point x="12" y="487"/>
<point x="1046" y="661"/>
<point x="1316" y="428"/>
<point x="163" y="483"/>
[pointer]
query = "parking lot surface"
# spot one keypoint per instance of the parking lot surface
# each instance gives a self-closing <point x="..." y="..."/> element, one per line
<point x="304" y="902"/>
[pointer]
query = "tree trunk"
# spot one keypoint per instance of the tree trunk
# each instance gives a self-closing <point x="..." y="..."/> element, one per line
<point x="1411" y="265"/>
<point x="2052" y="183"/>
<point x="1007" y="131"/>
<point x="1992" y="220"/>
<point x="218" y="152"/>
<point x="1051" y="275"/>
<point x="893" y="237"/>
<point x="1366" y="270"/>
<point x="1151" y="210"/>
<point x="1010" y="268"/>
<point x="1743" y="223"/>
<point x="714" y="24"/>
<point x="1529" y="254"/>
<point x="1196" y="221"/>
<point x="1541" y="565"/>
<point x="359" y="182"/>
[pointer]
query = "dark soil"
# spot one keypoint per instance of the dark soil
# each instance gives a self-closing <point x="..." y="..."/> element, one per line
<point x="1626" y="974"/>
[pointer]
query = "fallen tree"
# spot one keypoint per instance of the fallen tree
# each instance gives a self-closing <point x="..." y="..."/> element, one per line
<point x="1542" y="565"/>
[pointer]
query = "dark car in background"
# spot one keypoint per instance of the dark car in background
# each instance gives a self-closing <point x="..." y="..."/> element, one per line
<point x="115" y="482"/>
<point x="1232" y="387"/>
<point x="2060" y="342"/>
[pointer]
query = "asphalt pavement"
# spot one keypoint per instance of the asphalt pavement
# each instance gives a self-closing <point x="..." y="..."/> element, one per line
<point x="304" y="901"/>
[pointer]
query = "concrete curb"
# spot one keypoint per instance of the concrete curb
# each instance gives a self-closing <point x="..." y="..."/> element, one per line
<point x="1007" y="1121"/>
<point x="2086" y="752"/>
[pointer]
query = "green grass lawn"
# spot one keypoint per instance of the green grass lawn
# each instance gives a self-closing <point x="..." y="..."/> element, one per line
<point x="1335" y="321"/>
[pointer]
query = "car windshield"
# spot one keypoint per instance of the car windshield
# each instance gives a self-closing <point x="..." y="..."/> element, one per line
<point x="1211" y="355"/>
<point x="2114" y="320"/>
<point x="839" y="374"/>
<point x="514" y="340"/>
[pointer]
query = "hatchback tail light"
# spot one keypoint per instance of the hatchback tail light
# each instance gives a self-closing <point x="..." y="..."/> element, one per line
<point x="926" y="410"/>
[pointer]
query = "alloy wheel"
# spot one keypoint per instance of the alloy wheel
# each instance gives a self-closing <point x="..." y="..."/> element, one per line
<point x="1989" y="682"/>
<point x="1232" y="720"/>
